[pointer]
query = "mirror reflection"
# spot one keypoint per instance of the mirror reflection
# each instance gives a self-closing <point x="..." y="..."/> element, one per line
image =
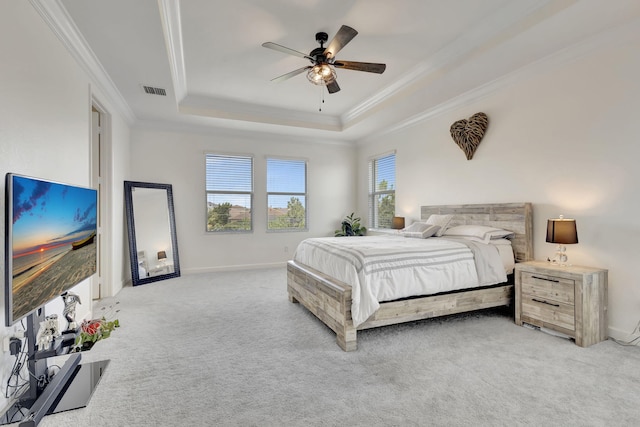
<point x="152" y="236"/>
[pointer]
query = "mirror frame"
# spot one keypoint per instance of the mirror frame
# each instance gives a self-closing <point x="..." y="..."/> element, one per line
<point x="129" y="187"/>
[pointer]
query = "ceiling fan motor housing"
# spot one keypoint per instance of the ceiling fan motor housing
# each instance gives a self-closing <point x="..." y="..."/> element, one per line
<point x="318" y="53"/>
<point x="322" y="37"/>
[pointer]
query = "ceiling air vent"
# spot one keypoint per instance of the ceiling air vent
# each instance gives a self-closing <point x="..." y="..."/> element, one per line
<point x="154" y="90"/>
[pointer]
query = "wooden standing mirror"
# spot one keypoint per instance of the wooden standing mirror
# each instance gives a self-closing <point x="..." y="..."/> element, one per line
<point x="153" y="245"/>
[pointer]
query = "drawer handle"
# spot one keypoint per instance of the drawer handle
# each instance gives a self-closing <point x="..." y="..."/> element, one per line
<point x="545" y="302"/>
<point x="547" y="279"/>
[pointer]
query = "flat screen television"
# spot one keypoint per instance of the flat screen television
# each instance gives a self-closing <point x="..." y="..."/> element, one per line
<point x="50" y="242"/>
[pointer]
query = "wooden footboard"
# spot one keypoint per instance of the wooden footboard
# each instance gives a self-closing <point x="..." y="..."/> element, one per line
<point x="330" y="301"/>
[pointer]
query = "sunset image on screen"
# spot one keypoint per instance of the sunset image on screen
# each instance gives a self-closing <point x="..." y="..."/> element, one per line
<point x="52" y="238"/>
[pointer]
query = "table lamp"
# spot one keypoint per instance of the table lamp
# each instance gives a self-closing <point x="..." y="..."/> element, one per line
<point x="397" y="223"/>
<point x="563" y="232"/>
<point x="162" y="256"/>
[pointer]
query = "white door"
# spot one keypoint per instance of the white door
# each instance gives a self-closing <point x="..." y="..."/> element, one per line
<point x="96" y="181"/>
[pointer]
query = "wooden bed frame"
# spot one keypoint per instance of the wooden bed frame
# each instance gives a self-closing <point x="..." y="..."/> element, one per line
<point x="330" y="300"/>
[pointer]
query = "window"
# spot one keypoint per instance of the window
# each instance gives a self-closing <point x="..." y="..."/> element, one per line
<point x="229" y="184"/>
<point x="286" y="194"/>
<point x="382" y="191"/>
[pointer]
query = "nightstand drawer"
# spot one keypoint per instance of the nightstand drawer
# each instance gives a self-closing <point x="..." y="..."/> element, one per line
<point x="550" y="312"/>
<point x="545" y="288"/>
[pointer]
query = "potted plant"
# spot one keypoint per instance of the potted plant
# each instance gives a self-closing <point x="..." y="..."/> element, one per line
<point x="351" y="227"/>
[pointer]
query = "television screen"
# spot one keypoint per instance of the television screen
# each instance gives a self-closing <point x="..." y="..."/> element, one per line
<point x="50" y="241"/>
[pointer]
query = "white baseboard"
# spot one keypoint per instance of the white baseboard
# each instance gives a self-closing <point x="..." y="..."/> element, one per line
<point x="190" y="271"/>
<point x="232" y="268"/>
<point x="623" y="336"/>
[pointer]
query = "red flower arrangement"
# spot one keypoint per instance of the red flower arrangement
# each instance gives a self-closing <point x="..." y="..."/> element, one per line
<point x="92" y="331"/>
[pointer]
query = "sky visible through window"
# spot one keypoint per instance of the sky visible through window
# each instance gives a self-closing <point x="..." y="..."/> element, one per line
<point x="285" y="176"/>
<point x="281" y="201"/>
<point x="234" y="199"/>
<point x="386" y="171"/>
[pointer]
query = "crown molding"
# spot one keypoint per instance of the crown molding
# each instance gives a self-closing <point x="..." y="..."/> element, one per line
<point x="172" y="29"/>
<point x="252" y="133"/>
<point x="233" y="110"/>
<point x="58" y="19"/>
<point x="473" y="39"/>
<point x="513" y="17"/>
<point x="605" y="39"/>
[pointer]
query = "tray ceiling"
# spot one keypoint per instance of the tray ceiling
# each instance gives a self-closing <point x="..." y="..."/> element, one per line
<point x="208" y="57"/>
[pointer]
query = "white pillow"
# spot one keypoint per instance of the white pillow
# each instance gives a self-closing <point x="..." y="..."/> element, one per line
<point x="440" y="220"/>
<point x="480" y="233"/>
<point x="500" y="242"/>
<point x="420" y="230"/>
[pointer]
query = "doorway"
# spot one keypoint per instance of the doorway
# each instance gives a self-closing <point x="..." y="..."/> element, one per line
<point x="100" y="158"/>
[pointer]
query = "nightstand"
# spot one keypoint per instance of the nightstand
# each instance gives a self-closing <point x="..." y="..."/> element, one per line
<point x="161" y="269"/>
<point x="568" y="299"/>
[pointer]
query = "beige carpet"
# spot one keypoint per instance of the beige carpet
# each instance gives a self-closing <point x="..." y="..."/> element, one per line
<point x="228" y="349"/>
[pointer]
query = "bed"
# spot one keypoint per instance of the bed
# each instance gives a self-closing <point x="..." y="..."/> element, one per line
<point x="331" y="300"/>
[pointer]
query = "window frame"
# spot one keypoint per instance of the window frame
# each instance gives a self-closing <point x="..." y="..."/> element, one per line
<point x="251" y="193"/>
<point x="292" y="194"/>
<point x="374" y="193"/>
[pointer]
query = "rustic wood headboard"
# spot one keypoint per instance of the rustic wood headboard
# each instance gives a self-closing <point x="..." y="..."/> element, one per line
<point x="516" y="217"/>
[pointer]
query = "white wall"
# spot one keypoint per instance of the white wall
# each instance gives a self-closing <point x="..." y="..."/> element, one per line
<point x="179" y="159"/>
<point x="566" y="140"/>
<point x="45" y="124"/>
<point x="119" y="150"/>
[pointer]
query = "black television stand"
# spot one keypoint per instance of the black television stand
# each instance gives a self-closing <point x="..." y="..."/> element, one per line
<point x="70" y="388"/>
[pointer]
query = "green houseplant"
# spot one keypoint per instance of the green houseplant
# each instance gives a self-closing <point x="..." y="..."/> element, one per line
<point x="351" y="227"/>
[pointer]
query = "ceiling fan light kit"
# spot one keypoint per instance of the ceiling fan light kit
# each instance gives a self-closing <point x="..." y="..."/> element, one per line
<point x="322" y="74"/>
<point x="322" y="71"/>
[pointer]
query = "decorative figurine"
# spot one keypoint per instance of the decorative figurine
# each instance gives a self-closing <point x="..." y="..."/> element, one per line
<point x="70" y="300"/>
<point x="49" y="330"/>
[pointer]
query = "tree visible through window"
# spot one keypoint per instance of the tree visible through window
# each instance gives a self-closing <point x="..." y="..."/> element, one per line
<point x="382" y="191"/>
<point x="286" y="194"/>
<point x="229" y="186"/>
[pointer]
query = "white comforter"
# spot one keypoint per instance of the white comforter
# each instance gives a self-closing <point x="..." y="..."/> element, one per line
<point x="385" y="268"/>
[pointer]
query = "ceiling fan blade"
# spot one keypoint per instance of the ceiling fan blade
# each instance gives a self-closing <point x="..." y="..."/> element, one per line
<point x="291" y="74"/>
<point x="344" y="35"/>
<point x="333" y="87"/>
<point x="280" y="48"/>
<point x="369" y="67"/>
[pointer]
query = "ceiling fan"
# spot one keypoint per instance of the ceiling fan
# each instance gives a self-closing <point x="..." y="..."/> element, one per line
<point x="322" y="71"/>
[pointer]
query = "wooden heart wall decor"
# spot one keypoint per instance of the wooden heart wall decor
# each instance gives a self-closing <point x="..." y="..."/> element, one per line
<point x="468" y="133"/>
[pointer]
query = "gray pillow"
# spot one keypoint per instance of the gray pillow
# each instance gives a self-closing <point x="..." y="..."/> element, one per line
<point x="440" y="220"/>
<point x="420" y="230"/>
